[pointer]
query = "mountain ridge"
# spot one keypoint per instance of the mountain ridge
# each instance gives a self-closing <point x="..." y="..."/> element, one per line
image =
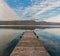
<point x="28" y="22"/>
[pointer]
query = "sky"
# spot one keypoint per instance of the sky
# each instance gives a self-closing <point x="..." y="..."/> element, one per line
<point x="39" y="10"/>
<point x="6" y="13"/>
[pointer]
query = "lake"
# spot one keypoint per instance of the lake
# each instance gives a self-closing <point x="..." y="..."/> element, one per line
<point x="50" y="38"/>
<point x="8" y="40"/>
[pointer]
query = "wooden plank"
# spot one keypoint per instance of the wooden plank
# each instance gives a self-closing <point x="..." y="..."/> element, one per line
<point x="29" y="45"/>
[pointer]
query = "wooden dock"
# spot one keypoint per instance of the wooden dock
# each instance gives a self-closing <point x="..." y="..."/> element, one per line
<point x="29" y="45"/>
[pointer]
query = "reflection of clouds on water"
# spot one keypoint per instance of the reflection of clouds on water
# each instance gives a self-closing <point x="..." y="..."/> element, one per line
<point x="50" y="40"/>
<point x="6" y="37"/>
<point x="55" y="31"/>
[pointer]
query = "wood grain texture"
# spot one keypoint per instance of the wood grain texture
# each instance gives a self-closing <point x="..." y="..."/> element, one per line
<point x="29" y="45"/>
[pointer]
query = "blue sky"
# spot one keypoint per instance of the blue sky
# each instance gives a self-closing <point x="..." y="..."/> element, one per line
<point x="35" y="9"/>
<point x="19" y="3"/>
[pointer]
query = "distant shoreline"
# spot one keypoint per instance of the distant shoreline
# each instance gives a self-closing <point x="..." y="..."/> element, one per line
<point x="28" y="26"/>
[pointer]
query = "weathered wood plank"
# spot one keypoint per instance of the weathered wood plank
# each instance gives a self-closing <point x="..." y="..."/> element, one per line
<point x="29" y="45"/>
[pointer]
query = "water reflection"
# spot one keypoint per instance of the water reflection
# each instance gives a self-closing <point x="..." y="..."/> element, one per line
<point x="8" y="40"/>
<point x="50" y="39"/>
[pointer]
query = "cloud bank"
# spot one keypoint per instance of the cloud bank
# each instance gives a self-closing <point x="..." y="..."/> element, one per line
<point x="35" y="9"/>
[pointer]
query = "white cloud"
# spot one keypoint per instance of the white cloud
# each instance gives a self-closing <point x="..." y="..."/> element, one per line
<point x="33" y="8"/>
<point x="6" y="13"/>
<point x="42" y="7"/>
<point x="50" y="6"/>
<point x="53" y="19"/>
<point x="37" y="8"/>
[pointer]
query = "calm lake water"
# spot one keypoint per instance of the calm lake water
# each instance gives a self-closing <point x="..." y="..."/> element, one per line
<point x="50" y="39"/>
<point x="8" y="40"/>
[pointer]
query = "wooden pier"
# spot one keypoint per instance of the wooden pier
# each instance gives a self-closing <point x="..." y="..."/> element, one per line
<point x="29" y="45"/>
